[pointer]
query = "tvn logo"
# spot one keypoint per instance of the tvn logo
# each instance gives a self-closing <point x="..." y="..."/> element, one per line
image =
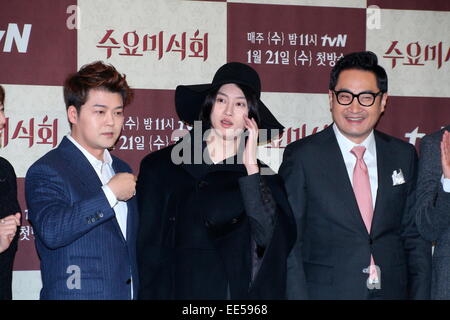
<point x="338" y="41"/>
<point x="13" y="35"/>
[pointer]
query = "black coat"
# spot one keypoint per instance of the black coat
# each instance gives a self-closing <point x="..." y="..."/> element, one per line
<point x="8" y="206"/>
<point x="195" y="241"/>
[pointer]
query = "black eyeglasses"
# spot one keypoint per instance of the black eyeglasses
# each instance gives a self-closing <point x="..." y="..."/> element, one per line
<point x="366" y="99"/>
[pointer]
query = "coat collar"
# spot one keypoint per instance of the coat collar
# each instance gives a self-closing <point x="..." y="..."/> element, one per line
<point x="78" y="161"/>
<point x="198" y="166"/>
<point x="96" y="163"/>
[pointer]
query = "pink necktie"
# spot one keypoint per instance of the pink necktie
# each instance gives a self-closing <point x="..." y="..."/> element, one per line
<point x="361" y="188"/>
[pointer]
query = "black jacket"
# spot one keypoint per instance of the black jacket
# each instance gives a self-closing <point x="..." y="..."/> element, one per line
<point x="195" y="239"/>
<point x="8" y="206"/>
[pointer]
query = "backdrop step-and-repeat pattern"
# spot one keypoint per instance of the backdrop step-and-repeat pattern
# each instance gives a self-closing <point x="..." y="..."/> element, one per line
<point x="159" y="44"/>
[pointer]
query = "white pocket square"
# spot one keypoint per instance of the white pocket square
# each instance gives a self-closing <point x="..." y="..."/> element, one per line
<point x="397" y="177"/>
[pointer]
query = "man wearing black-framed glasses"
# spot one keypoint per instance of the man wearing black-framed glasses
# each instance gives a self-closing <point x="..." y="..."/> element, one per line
<point x="365" y="99"/>
<point x="352" y="190"/>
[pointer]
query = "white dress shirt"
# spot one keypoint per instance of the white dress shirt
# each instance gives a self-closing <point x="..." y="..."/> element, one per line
<point x="370" y="158"/>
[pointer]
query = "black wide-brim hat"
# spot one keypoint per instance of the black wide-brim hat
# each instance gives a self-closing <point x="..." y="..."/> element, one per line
<point x="189" y="99"/>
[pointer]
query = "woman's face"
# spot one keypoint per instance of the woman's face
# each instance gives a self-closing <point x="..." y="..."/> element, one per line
<point x="228" y="111"/>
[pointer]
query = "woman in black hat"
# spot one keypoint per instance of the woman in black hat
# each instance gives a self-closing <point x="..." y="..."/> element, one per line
<point x="211" y="225"/>
<point x="9" y="216"/>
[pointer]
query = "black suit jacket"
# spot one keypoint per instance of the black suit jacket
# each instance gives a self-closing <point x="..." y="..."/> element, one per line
<point x="333" y="244"/>
<point x="8" y="206"/>
<point x="432" y="211"/>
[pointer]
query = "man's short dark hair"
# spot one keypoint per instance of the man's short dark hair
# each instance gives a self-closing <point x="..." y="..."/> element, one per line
<point x="96" y="75"/>
<point x="366" y="61"/>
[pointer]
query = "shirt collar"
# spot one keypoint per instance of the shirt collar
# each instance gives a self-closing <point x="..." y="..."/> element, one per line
<point x="107" y="159"/>
<point x="346" y="145"/>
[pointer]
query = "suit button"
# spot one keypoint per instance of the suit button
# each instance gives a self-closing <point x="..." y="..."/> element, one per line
<point x="202" y="184"/>
<point x="128" y="281"/>
<point x="234" y="220"/>
<point x="172" y="219"/>
<point x="370" y="241"/>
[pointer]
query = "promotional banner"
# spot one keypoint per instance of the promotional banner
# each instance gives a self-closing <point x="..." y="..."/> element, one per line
<point x="159" y="44"/>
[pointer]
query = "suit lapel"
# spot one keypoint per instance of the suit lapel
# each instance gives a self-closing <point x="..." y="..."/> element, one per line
<point x="384" y="166"/>
<point x="337" y="172"/>
<point x="79" y="165"/>
<point x="131" y="218"/>
<point x="132" y="210"/>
